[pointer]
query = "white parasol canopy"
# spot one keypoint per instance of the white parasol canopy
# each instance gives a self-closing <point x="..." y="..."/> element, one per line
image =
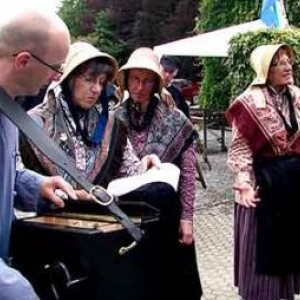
<point x="209" y="44"/>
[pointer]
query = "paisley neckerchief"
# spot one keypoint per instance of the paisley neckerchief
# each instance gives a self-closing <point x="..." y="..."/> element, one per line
<point x="169" y="131"/>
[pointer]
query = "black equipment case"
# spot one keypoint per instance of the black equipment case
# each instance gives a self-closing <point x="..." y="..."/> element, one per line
<point x="80" y="258"/>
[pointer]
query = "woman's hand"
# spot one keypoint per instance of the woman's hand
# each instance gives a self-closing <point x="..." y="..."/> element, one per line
<point x="247" y="197"/>
<point x="50" y="184"/>
<point x="150" y="161"/>
<point x="186" y="232"/>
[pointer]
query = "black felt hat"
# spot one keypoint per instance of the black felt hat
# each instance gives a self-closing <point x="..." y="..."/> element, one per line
<point x="170" y="62"/>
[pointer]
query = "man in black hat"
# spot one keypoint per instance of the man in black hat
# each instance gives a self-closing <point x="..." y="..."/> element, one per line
<point x="169" y="68"/>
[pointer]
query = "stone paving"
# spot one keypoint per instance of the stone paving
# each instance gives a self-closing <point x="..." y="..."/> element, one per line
<point x="213" y="227"/>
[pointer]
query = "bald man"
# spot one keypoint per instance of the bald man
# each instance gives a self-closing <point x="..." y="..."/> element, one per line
<point x="33" y="46"/>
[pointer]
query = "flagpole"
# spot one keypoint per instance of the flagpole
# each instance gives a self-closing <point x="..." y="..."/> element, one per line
<point x="283" y="13"/>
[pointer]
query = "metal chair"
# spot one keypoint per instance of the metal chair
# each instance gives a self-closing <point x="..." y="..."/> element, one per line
<point x="200" y="147"/>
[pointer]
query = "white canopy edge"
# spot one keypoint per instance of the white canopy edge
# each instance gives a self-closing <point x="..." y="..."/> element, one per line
<point x="209" y="44"/>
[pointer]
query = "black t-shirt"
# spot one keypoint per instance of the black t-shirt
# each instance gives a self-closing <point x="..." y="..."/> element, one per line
<point x="179" y="100"/>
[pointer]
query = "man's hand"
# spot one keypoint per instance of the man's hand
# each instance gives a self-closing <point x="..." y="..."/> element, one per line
<point x="83" y="195"/>
<point x="50" y="184"/>
<point x="150" y="161"/>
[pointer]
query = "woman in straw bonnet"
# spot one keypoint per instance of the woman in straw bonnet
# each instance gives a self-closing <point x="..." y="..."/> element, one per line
<point x="264" y="154"/>
<point x="153" y="127"/>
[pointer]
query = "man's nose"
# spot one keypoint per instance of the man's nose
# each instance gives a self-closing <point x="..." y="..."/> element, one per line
<point x="139" y="86"/>
<point x="55" y="76"/>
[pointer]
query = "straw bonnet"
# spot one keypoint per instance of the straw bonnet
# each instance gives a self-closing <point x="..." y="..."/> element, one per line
<point x="81" y="52"/>
<point x="261" y="58"/>
<point x="141" y="58"/>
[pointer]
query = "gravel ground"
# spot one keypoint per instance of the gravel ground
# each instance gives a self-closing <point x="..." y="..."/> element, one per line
<point x="213" y="224"/>
<point x="219" y="180"/>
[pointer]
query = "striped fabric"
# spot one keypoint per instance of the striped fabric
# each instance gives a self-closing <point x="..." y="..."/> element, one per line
<point x="253" y="286"/>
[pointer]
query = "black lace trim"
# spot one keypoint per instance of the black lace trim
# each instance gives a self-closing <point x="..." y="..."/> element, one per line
<point x="138" y="120"/>
<point x="293" y="127"/>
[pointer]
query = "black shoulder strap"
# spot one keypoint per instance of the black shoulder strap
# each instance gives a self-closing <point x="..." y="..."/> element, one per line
<point x="48" y="147"/>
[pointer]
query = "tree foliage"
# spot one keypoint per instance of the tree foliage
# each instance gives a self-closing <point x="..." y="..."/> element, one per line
<point x="180" y="22"/>
<point x="129" y="24"/>
<point x="87" y="22"/>
<point x="77" y="16"/>
<point x="292" y="8"/>
<point x="103" y="37"/>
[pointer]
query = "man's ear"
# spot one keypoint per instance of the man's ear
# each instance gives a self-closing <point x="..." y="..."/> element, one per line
<point x="175" y="72"/>
<point x="22" y="59"/>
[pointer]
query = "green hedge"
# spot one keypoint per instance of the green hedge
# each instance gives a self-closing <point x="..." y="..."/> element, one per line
<point x="214" y="90"/>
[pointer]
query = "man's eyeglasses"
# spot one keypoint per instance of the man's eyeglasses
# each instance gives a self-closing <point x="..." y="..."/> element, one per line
<point x="55" y="68"/>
